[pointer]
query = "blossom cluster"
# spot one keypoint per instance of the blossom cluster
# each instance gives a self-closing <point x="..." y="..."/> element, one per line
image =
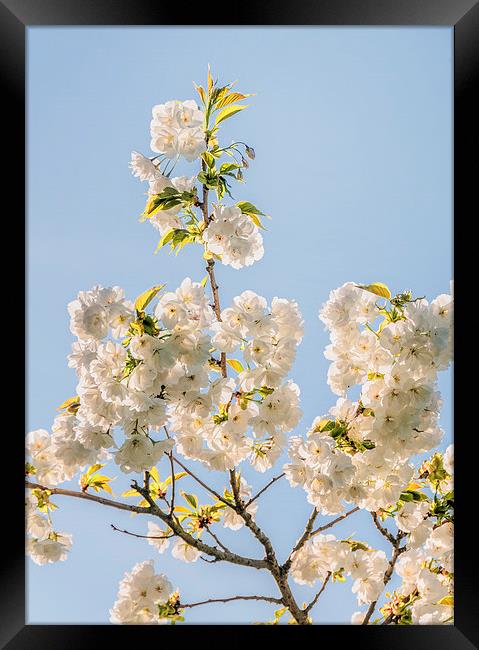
<point x="233" y="237"/>
<point x="424" y="559"/>
<point x="360" y="452"/>
<point x="138" y="373"/>
<point x="260" y="398"/>
<point x="325" y="554"/>
<point x="177" y="129"/>
<point x="167" y="219"/>
<point x="44" y="545"/>
<point x="426" y="570"/>
<point x="141" y="594"/>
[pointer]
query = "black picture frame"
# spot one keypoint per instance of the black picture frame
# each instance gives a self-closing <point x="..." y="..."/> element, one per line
<point x="15" y="17"/>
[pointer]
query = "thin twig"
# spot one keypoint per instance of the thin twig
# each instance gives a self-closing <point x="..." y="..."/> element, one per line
<point x="268" y="599"/>
<point x="334" y="521"/>
<point x="213" y="551"/>
<point x="388" y="573"/>
<point x="127" y="532"/>
<point x="198" y="480"/>
<point x="302" y="540"/>
<point x="172" y="467"/>
<point x="323" y="587"/>
<point x="382" y="529"/>
<point x="273" y="480"/>
<point x="216" y="539"/>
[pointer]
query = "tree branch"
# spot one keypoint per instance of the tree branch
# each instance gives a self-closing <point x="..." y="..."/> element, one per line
<point x="273" y="480"/>
<point x="335" y="521"/>
<point x="174" y="524"/>
<point x="280" y="576"/>
<point x="216" y="539"/>
<point x="271" y="561"/>
<point x="388" y="573"/>
<point x="302" y="540"/>
<point x="323" y="587"/>
<point x="172" y="467"/>
<point x="268" y="599"/>
<point x="89" y="497"/>
<point x="382" y="529"/>
<point x="127" y="532"/>
<point x="198" y="480"/>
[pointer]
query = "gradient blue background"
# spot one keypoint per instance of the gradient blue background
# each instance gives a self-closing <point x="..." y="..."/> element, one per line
<point x="352" y="130"/>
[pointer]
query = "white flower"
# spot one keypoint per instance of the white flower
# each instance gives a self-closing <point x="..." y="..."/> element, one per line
<point x="140" y="592"/>
<point x="441" y="540"/>
<point x="138" y="453"/>
<point x="448" y="460"/>
<point x="38" y="526"/>
<point x="357" y="618"/>
<point x="184" y="552"/>
<point x="50" y="549"/>
<point x="142" y="167"/>
<point x="234" y="237"/>
<point x="157" y="537"/>
<point x="411" y="515"/>
<point x="176" y="128"/>
<point x="164" y="139"/>
<point x="191" y="143"/>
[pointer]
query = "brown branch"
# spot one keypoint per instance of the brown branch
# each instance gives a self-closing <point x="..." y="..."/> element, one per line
<point x="89" y="497"/>
<point x="335" y="521"/>
<point x="216" y="539"/>
<point x="127" y="532"/>
<point x="210" y="270"/>
<point x="302" y="540"/>
<point x="269" y="599"/>
<point x="177" y="529"/>
<point x="170" y="520"/>
<point x="323" y="587"/>
<point x="382" y="529"/>
<point x="273" y="480"/>
<point x="388" y="573"/>
<point x="280" y="576"/>
<point x="198" y="480"/>
<point x="172" y="467"/>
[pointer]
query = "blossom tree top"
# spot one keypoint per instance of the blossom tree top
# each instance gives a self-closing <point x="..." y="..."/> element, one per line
<point x="172" y="377"/>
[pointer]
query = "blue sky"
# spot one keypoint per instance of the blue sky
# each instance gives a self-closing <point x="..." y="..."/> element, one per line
<point x="352" y="129"/>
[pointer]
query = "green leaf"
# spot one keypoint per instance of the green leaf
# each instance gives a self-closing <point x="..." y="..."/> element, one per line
<point x="192" y="499"/>
<point x="167" y="237"/>
<point x="146" y="297"/>
<point x="209" y="159"/>
<point x="227" y="168"/>
<point x="378" y="288"/>
<point x="201" y="92"/>
<point x="227" y="112"/>
<point x="235" y="364"/>
<point x="248" y="208"/>
<point x="94" y="468"/>
<point x="226" y="100"/>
